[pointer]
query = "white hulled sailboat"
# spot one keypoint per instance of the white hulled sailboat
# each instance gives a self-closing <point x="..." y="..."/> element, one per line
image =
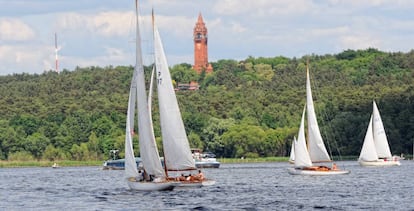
<point x="375" y="150"/>
<point x="154" y="177"/>
<point x="312" y="150"/>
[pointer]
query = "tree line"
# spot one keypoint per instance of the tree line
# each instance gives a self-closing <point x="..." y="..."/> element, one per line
<point x="248" y="108"/>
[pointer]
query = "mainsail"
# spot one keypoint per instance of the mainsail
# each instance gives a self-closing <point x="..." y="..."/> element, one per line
<point x="380" y="138"/>
<point x="177" y="151"/>
<point x="316" y="147"/>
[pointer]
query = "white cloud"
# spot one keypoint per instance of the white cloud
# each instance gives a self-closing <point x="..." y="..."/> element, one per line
<point x="237" y="28"/>
<point x="262" y="8"/>
<point x="29" y="58"/>
<point x="180" y="26"/>
<point x="372" y="3"/>
<point x="358" y="41"/>
<point x="15" y="30"/>
<point x="334" y="31"/>
<point x="107" y="24"/>
<point x="110" y="24"/>
<point x="111" y="56"/>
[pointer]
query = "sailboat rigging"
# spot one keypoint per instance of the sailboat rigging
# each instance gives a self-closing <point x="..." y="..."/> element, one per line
<point x="313" y="149"/>
<point x="153" y="177"/>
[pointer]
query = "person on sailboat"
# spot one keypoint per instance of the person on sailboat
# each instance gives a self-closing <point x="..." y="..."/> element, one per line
<point x="199" y="176"/>
<point x="334" y="167"/>
<point x="180" y="178"/>
<point x="140" y="176"/>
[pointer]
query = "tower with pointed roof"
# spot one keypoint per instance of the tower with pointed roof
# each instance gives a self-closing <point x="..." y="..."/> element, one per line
<point x="200" y="47"/>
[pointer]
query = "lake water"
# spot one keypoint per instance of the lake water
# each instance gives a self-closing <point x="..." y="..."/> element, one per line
<point x="245" y="186"/>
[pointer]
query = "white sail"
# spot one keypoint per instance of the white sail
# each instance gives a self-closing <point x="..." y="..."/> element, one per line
<point x="177" y="151"/>
<point x="368" y="151"/>
<point x="302" y="158"/>
<point x="130" y="165"/>
<point x="148" y="148"/>
<point x="380" y="138"/>
<point x="292" y="150"/>
<point x="316" y="147"/>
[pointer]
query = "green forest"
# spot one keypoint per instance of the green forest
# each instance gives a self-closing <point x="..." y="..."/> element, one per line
<point x="249" y="108"/>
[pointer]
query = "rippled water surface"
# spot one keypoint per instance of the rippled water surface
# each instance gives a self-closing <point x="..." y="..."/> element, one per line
<point x="247" y="186"/>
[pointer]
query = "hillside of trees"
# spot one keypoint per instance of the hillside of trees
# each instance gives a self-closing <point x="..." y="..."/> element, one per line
<point x="250" y="108"/>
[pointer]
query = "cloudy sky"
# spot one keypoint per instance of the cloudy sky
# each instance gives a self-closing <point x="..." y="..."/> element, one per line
<point x="101" y="32"/>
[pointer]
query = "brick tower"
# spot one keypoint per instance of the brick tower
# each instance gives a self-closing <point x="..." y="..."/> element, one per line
<point x="200" y="47"/>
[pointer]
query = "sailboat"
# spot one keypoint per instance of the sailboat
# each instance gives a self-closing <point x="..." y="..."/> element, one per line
<point x="375" y="150"/>
<point x="314" y="150"/>
<point x="152" y="177"/>
<point x="177" y="152"/>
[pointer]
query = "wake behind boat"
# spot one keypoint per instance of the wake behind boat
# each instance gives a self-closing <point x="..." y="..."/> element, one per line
<point x="314" y="150"/>
<point x="376" y="150"/>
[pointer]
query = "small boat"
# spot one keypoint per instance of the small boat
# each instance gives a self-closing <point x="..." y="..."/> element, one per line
<point x="376" y="150"/>
<point x="118" y="164"/>
<point x="153" y="175"/>
<point x="204" y="159"/>
<point x="314" y="149"/>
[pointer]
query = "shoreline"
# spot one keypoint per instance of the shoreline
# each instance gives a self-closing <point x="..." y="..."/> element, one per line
<point x="43" y="163"/>
<point x="73" y="163"/>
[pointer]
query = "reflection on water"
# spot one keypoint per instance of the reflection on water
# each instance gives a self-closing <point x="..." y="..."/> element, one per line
<point x="263" y="186"/>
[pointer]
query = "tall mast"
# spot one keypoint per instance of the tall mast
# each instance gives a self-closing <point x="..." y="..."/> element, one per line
<point x="306" y="104"/>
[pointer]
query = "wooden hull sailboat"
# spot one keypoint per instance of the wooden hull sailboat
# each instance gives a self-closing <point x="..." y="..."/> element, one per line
<point x="177" y="152"/>
<point x="312" y="150"/>
<point x="375" y="150"/>
<point x="148" y="148"/>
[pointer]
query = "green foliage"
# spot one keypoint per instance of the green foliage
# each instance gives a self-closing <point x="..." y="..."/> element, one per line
<point x="36" y="144"/>
<point x="21" y="156"/>
<point x="248" y="108"/>
<point x="183" y="73"/>
<point x="51" y="153"/>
